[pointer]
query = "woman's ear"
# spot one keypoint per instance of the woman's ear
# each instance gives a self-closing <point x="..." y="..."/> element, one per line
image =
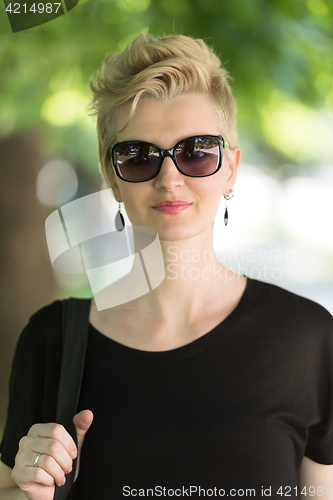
<point x="233" y="157"/>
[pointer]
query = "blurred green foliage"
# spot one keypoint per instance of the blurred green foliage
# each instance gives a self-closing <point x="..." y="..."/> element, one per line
<point x="278" y="52"/>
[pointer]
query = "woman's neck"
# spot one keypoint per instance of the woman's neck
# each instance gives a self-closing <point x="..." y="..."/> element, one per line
<point x="194" y="280"/>
<point x="197" y="293"/>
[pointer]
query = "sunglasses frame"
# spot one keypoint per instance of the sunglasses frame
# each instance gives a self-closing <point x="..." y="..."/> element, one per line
<point x="163" y="153"/>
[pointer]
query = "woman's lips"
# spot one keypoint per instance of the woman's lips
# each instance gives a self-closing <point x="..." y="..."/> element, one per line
<point x="172" y="208"/>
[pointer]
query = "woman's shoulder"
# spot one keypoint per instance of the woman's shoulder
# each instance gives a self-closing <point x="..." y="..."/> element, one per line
<point x="47" y="315"/>
<point x="52" y="313"/>
<point x="47" y="312"/>
<point x="42" y="330"/>
<point x="45" y="324"/>
<point x="41" y="338"/>
<point x="280" y="302"/>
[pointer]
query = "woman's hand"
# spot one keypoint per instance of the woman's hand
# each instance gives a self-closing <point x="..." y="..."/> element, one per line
<point x="57" y="451"/>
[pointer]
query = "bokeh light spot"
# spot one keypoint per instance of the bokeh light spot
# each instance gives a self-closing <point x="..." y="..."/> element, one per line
<point x="56" y="184"/>
<point x="63" y="108"/>
<point x="296" y="130"/>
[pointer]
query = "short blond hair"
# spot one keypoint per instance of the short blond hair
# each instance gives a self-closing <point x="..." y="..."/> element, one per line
<point x="158" y="68"/>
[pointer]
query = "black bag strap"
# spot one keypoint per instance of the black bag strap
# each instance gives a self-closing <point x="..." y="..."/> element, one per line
<point x="75" y="316"/>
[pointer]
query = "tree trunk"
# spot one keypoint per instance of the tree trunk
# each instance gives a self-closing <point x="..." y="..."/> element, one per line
<point x="27" y="281"/>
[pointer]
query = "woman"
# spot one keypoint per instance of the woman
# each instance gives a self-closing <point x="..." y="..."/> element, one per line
<point x="212" y="384"/>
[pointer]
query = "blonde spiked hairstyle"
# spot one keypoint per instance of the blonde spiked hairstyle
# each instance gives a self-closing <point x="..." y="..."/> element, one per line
<point x="158" y="68"/>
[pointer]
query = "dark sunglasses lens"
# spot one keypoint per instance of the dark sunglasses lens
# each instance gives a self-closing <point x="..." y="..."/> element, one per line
<point x="198" y="156"/>
<point x="137" y="161"/>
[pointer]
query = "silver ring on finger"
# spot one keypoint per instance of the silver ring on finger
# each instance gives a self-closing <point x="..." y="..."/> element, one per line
<point x="36" y="459"/>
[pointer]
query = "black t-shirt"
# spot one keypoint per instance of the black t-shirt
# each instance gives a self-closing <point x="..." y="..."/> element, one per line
<point x="236" y="409"/>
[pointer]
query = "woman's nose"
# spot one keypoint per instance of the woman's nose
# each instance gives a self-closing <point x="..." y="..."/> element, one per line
<point x="169" y="176"/>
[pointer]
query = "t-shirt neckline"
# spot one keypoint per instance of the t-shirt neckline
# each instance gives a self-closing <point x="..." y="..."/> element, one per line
<point x="192" y="346"/>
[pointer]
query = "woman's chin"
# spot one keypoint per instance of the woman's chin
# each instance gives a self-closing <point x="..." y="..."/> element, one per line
<point x="179" y="234"/>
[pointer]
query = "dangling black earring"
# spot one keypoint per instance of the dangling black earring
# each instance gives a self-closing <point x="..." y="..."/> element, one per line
<point x="119" y="220"/>
<point x="226" y="218"/>
<point x="227" y="198"/>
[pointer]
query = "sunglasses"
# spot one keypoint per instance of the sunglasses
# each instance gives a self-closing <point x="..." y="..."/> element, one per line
<point x="139" y="161"/>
